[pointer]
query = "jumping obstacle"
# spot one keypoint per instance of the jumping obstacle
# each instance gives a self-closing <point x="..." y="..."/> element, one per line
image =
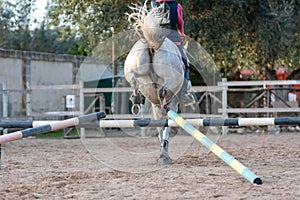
<point x="57" y="125"/>
<point x="34" y="124"/>
<point x="228" y="159"/>
<point x="163" y="123"/>
<point x="201" y="122"/>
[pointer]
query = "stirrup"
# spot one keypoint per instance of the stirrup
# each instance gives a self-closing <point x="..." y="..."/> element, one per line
<point x="136" y="109"/>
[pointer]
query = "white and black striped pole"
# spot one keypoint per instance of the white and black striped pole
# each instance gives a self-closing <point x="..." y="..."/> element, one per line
<point x="284" y="121"/>
<point x="201" y="122"/>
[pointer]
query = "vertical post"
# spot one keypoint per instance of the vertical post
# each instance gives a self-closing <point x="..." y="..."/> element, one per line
<point x="224" y="104"/>
<point x="1" y="129"/>
<point x="113" y="100"/>
<point x="207" y="103"/>
<point x="4" y="100"/>
<point x="26" y="79"/>
<point x="28" y="99"/>
<point x="4" y="111"/>
<point x="267" y="99"/>
<point x="102" y="102"/>
<point x="81" y="106"/>
<point x="28" y="85"/>
<point x="113" y="56"/>
<point x="124" y="98"/>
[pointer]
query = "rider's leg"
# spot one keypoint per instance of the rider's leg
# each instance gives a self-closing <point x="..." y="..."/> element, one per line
<point x="185" y="62"/>
<point x="184" y="97"/>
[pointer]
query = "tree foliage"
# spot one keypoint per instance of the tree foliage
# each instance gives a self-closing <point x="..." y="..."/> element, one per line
<point x="19" y="30"/>
<point x="91" y="20"/>
<point x="249" y="34"/>
<point x="238" y="34"/>
<point x="15" y="20"/>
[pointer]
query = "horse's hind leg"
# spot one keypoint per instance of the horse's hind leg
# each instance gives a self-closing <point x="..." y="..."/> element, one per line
<point x="164" y="157"/>
<point x="163" y="136"/>
<point x="162" y="93"/>
<point x="131" y="78"/>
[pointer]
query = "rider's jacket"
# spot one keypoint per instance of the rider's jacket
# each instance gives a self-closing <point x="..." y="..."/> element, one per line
<point x="171" y="6"/>
<point x="176" y="20"/>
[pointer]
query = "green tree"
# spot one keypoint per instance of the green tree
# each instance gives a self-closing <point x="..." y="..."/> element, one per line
<point x="15" y="23"/>
<point x="48" y="40"/>
<point x="238" y="34"/>
<point x="17" y="32"/>
<point x="91" y="21"/>
<point x="246" y="34"/>
<point x="6" y="14"/>
<point x="23" y="10"/>
<point x="279" y="32"/>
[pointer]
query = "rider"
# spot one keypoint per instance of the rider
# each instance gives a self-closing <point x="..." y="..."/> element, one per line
<point x="176" y="24"/>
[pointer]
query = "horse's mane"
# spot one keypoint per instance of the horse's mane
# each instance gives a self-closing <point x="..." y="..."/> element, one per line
<point x="146" y="23"/>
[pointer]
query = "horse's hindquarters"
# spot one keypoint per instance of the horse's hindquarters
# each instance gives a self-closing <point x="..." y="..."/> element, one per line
<point x="152" y="73"/>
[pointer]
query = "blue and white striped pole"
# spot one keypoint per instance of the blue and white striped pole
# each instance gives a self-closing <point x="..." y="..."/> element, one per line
<point x="228" y="159"/>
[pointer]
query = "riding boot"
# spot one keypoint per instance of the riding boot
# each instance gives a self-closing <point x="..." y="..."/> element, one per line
<point x="187" y="83"/>
<point x="187" y="73"/>
<point x="185" y="98"/>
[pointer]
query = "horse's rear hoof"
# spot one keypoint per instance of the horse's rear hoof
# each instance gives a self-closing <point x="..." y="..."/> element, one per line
<point x="164" y="158"/>
<point x="165" y="161"/>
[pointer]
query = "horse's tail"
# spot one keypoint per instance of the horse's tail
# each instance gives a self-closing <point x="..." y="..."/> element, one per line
<point x="147" y="24"/>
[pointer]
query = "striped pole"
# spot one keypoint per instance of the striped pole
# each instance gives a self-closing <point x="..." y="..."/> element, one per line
<point x="228" y="159"/>
<point x="51" y="127"/>
<point x="201" y="122"/>
<point x="166" y="123"/>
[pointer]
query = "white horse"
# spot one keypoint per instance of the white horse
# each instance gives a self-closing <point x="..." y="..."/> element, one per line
<point x="154" y="67"/>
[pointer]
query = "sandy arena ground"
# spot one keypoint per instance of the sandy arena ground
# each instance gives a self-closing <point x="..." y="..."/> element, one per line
<point x="126" y="168"/>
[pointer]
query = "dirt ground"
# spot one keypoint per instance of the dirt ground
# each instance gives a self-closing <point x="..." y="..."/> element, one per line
<point x="126" y="168"/>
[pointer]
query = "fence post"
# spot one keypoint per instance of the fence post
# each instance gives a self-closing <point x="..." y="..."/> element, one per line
<point x="224" y="104"/>
<point x="4" y="100"/>
<point x="81" y="106"/>
<point x="1" y="129"/>
<point x="4" y="111"/>
<point x="28" y="99"/>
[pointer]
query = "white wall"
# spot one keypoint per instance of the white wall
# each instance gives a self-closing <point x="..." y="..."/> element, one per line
<point x="45" y="73"/>
<point x="11" y="74"/>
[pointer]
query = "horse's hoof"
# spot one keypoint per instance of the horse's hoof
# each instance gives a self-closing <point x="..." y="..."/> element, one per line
<point x="164" y="158"/>
<point x="165" y="161"/>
